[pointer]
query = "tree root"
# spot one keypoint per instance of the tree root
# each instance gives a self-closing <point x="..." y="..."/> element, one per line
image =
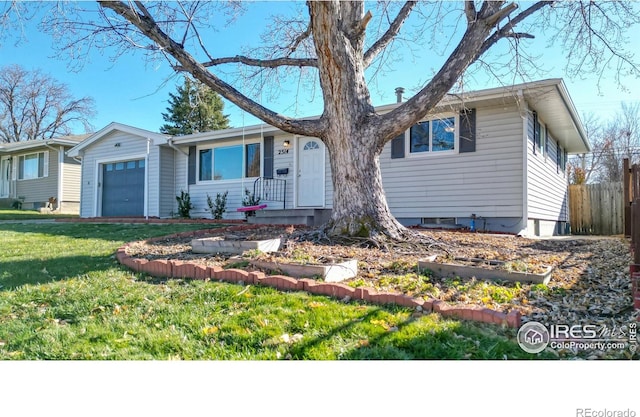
<point x="410" y="243"/>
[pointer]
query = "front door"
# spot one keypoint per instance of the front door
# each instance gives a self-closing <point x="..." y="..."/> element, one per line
<point x="310" y="188"/>
<point x="5" y="177"/>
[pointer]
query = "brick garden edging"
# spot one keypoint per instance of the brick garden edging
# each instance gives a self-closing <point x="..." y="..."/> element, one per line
<point x="174" y="268"/>
<point x="153" y="220"/>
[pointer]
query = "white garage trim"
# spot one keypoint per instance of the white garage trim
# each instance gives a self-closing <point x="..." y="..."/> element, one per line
<point x="97" y="198"/>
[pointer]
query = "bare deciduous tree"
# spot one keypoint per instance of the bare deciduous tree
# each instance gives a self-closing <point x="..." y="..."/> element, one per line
<point x="611" y="143"/>
<point x="336" y="43"/>
<point x="35" y="106"/>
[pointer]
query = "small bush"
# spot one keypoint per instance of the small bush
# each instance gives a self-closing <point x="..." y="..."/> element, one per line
<point x="249" y="200"/>
<point x="219" y="206"/>
<point x="184" y="205"/>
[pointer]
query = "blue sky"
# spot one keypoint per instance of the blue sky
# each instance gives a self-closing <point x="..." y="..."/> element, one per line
<point x="134" y="92"/>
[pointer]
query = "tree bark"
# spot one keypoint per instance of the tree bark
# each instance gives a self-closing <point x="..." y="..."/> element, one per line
<point x="359" y="204"/>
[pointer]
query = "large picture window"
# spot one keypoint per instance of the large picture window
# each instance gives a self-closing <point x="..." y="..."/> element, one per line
<point x="226" y="162"/>
<point x="433" y="136"/>
<point x="34" y="165"/>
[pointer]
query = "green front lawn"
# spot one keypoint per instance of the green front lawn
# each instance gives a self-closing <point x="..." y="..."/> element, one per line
<point x="64" y="296"/>
<point x="10" y="214"/>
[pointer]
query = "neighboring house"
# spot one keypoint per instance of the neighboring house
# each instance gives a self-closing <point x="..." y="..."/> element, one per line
<point x="36" y="171"/>
<point x="497" y="155"/>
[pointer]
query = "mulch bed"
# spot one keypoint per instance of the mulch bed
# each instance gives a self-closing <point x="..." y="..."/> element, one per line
<point x="589" y="285"/>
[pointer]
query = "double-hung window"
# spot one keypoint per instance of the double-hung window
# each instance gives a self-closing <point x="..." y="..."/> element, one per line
<point x="433" y="136"/>
<point x="229" y="162"/>
<point x="33" y="165"/>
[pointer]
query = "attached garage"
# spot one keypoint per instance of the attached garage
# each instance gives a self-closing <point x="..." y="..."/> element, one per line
<point x="123" y="188"/>
<point x="123" y="168"/>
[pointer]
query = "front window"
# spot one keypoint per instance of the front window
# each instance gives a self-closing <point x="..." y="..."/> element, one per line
<point x="253" y="160"/>
<point x="205" y="164"/>
<point x="432" y="136"/>
<point x="228" y="162"/>
<point x="32" y="166"/>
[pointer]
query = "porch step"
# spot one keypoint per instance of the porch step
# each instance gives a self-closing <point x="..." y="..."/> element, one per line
<point x="308" y="217"/>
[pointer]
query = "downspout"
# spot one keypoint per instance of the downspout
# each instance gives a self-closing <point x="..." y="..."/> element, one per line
<point x="186" y="154"/>
<point x="60" y="177"/>
<point x="146" y="180"/>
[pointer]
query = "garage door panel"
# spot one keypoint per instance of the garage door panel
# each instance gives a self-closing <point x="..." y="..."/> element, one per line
<point x="123" y="188"/>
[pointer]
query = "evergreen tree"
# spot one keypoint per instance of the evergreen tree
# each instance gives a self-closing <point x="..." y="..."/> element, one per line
<point x="194" y="108"/>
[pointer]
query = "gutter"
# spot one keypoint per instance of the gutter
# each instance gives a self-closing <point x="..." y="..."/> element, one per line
<point x="173" y="146"/>
<point x="573" y="113"/>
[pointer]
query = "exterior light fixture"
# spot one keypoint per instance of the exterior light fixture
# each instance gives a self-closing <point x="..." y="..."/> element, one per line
<point x="286" y="144"/>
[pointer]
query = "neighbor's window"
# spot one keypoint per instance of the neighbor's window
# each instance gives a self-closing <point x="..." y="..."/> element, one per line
<point x="432" y="136"/>
<point x="33" y="166"/>
<point x="226" y="163"/>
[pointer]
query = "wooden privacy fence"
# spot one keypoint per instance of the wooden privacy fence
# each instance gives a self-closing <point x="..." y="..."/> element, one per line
<point x="596" y="209"/>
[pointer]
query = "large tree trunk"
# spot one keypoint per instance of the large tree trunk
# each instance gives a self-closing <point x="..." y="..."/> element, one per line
<point x="359" y="204"/>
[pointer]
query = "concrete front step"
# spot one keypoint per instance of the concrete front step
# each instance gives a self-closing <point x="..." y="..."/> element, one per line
<point x="306" y="220"/>
<point x="309" y="217"/>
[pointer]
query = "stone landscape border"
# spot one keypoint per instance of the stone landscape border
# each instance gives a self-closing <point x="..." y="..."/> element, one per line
<point x="152" y="220"/>
<point x="174" y="268"/>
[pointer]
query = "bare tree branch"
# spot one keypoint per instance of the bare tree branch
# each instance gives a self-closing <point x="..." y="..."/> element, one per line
<point x="390" y="34"/>
<point x="507" y="29"/>
<point x="263" y="63"/>
<point x="188" y="63"/>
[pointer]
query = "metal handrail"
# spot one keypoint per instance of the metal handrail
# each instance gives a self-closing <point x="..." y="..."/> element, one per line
<point x="271" y="189"/>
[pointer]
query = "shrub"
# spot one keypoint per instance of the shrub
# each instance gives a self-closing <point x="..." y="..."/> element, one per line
<point x="184" y="205"/>
<point x="219" y="206"/>
<point x="249" y="200"/>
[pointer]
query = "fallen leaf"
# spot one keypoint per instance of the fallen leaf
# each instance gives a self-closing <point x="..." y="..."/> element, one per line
<point x="210" y="330"/>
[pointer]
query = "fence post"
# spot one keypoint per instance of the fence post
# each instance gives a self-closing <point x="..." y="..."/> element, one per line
<point x="626" y="189"/>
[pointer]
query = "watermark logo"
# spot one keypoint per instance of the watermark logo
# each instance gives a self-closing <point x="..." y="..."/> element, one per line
<point x="533" y="337"/>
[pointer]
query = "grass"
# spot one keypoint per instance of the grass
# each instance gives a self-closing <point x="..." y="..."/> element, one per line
<point x="10" y="214"/>
<point x="64" y="296"/>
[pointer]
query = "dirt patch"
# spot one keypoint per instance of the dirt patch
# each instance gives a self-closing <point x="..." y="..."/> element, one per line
<point x="589" y="285"/>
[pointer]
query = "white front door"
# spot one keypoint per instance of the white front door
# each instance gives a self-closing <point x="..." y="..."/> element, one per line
<point x="310" y="186"/>
<point x="5" y="177"/>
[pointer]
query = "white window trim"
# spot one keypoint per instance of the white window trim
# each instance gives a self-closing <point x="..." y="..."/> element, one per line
<point x="45" y="168"/>
<point x="430" y="153"/>
<point x="244" y="161"/>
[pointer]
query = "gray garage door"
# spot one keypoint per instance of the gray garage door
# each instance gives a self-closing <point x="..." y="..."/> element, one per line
<point x="123" y="188"/>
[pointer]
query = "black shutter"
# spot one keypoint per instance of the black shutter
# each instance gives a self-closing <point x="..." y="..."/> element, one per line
<point x="397" y="146"/>
<point x="191" y="169"/>
<point x="268" y="157"/>
<point x="468" y="130"/>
